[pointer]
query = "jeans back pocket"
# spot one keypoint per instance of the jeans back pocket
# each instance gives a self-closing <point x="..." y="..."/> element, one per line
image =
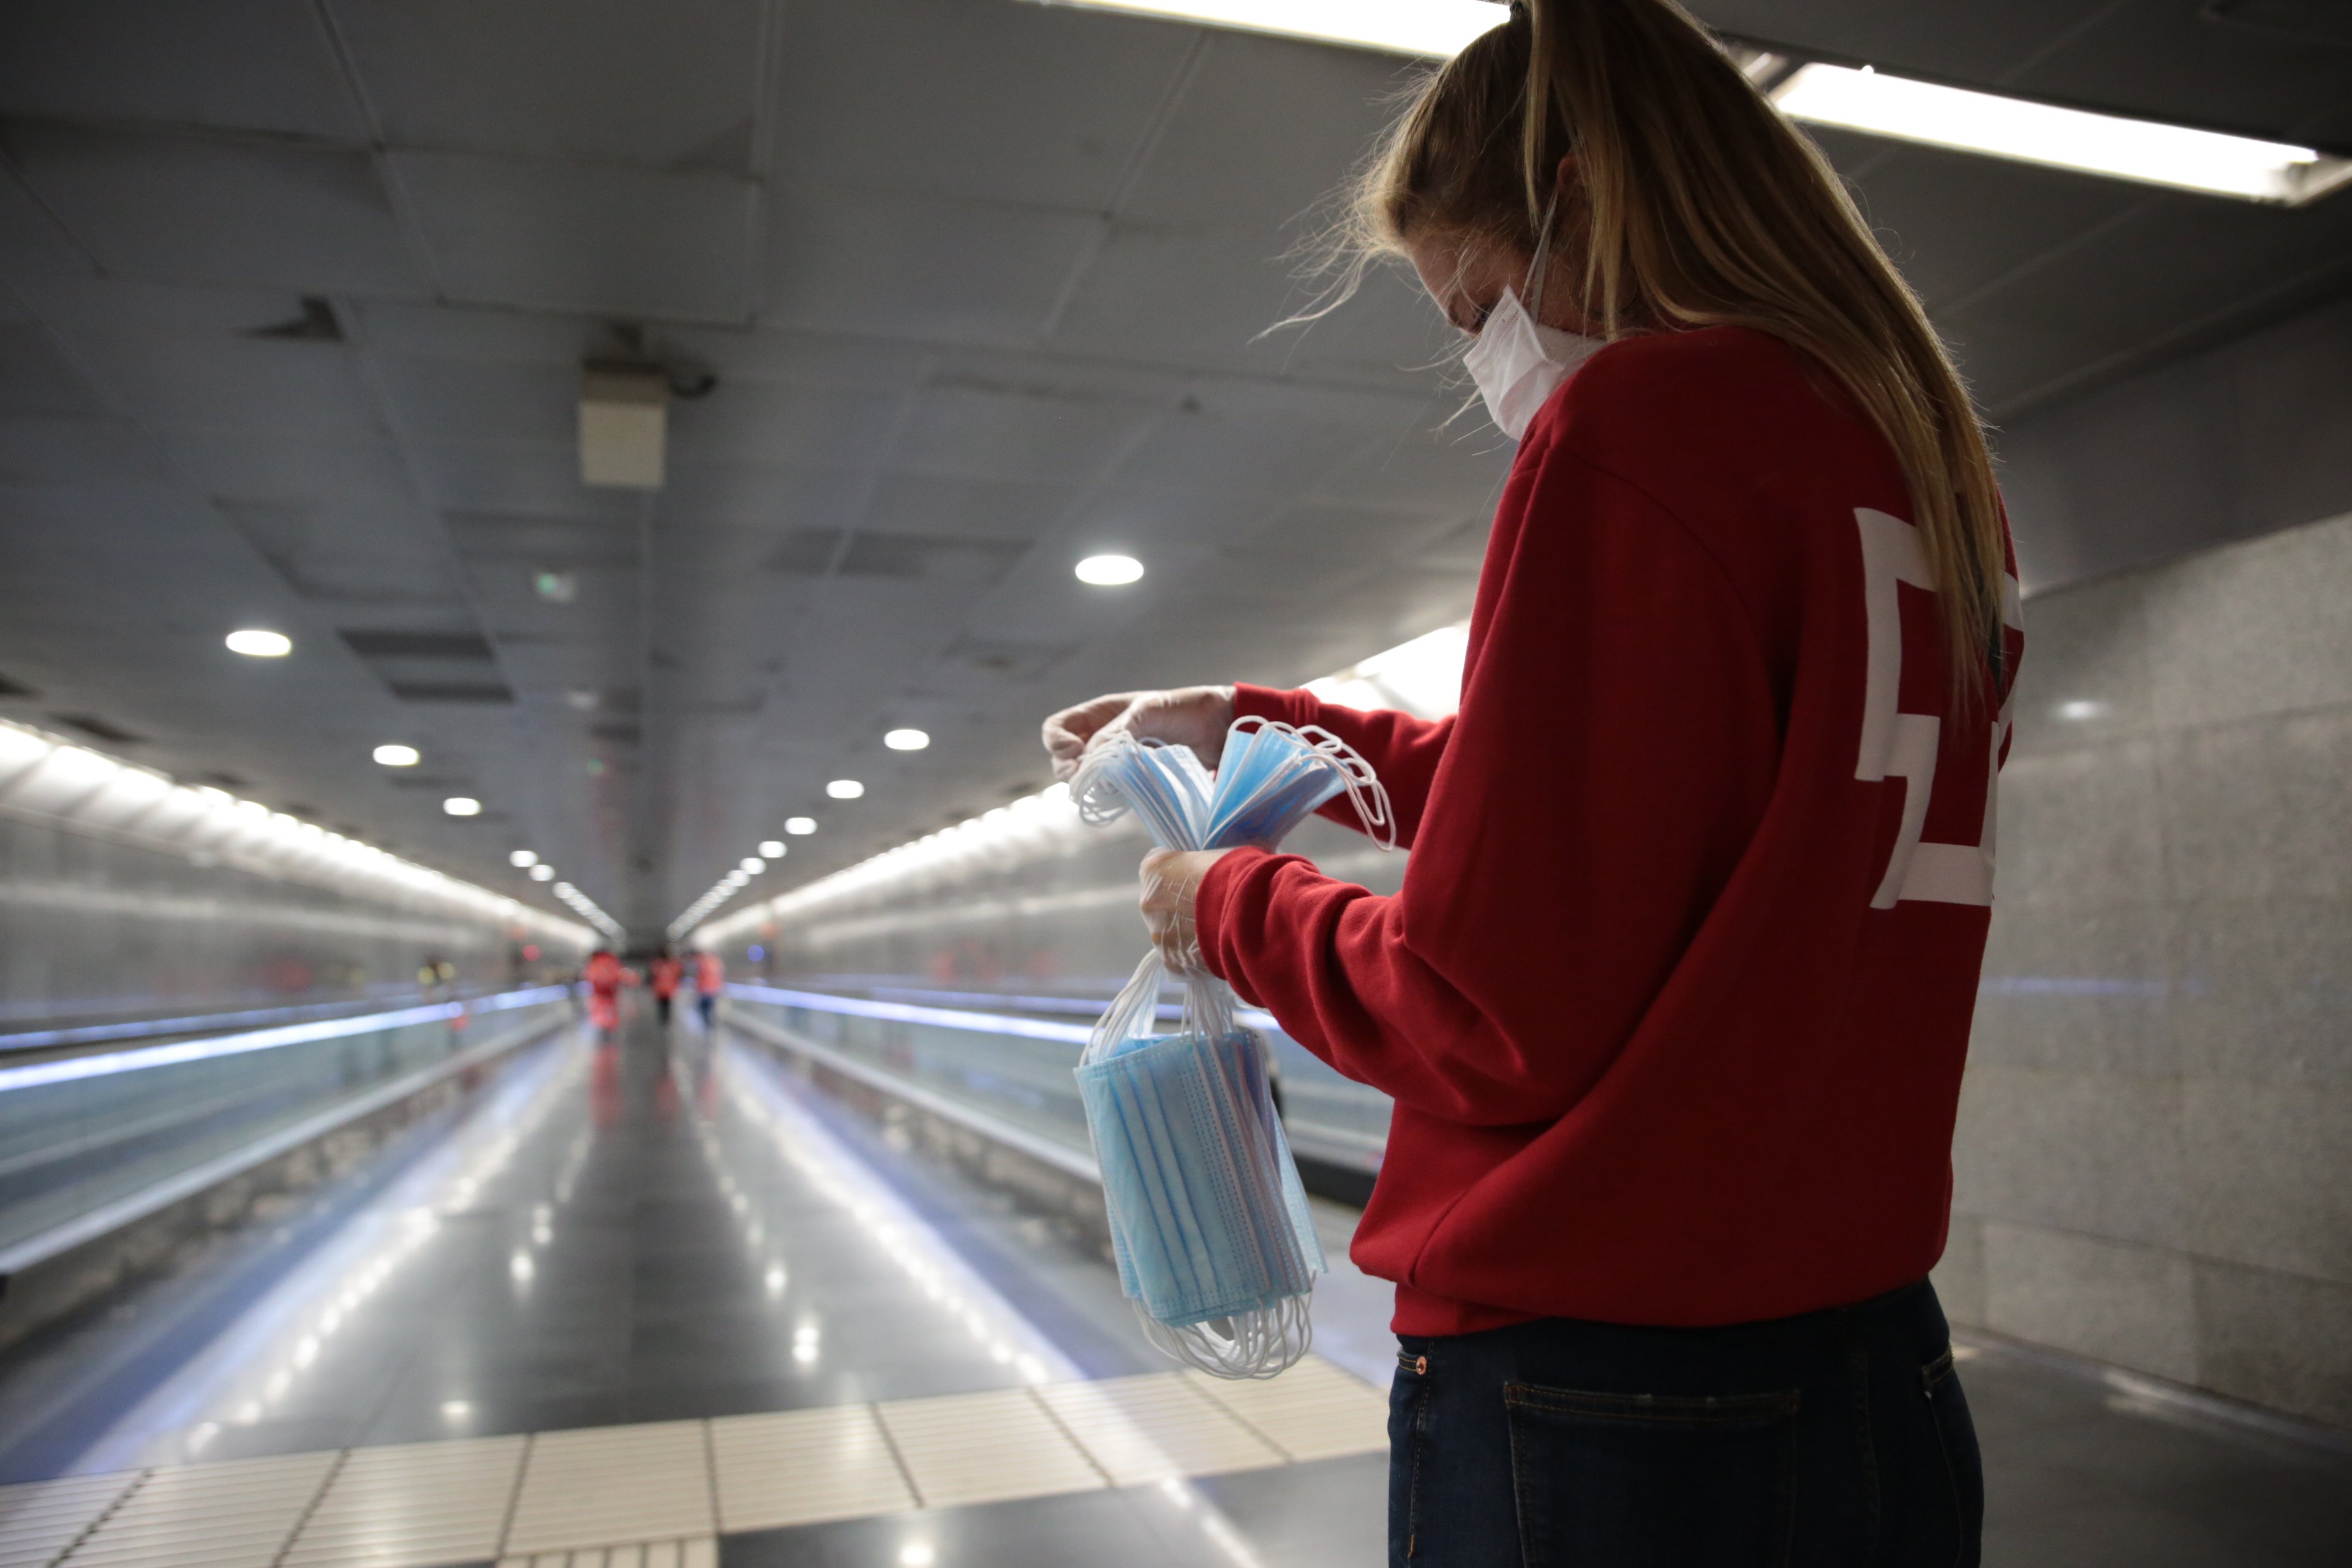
<point x="1635" y="1478"/>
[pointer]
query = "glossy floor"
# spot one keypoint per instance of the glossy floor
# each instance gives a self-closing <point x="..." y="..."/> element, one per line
<point x="661" y="1303"/>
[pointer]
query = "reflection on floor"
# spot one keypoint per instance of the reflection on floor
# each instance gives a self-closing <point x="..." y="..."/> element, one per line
<point x="658" y="1303"/>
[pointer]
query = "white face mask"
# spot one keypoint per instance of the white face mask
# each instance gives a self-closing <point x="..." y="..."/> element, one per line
<point x="1518" y="364"/>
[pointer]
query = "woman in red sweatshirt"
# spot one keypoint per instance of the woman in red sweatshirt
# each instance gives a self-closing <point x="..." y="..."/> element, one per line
<point x="1673" y="1002"/>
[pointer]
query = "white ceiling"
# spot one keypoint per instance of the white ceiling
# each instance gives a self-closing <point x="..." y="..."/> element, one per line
<point x="984" y="284"/>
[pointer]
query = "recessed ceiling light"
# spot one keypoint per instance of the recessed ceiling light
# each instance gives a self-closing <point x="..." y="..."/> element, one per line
<point x="521" y="857"/>
<point x="844" y="789"/>
<point x="906" y="740"/>
<point x="2125" y="149"/>
<point x="1434" y="27"/>
<point x="462" y="805"/>
<point x="800" y="825"/>
<point x="255" y="643"/>
<point x="773" y="849"/>
<point x="399" y="756"/>
<point x="542" y="873"/>
<point x="1109" y="571"/>
<point x="753" y="865"/>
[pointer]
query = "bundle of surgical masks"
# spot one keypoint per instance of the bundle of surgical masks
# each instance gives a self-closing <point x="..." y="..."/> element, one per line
<point x="1209" y="1223"/>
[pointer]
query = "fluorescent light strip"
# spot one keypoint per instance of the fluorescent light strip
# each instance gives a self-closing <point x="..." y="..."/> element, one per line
<point x="90" y="1034"/>
<point x="906" y="1013"/>
<point x="2117" y="146"/>
<point x="33" y="1075"/>
<point x="1435" y="29"/>
<point x="2142" y="149"/>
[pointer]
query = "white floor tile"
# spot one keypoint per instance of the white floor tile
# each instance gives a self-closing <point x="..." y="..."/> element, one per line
<point x="412" y="1506"/>
<point x="40" y="1520"/>
<point x="985" y="1448"/>
<point x="1314" y="1411"/>
<point x="607" y="1484"/>
<point x="799" y="1466"/>
<point x="235" y="1515"/>
<point x="1155" y="1429"/>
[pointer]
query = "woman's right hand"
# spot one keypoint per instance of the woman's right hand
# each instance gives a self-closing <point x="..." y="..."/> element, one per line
<point x="1194" y="716"/>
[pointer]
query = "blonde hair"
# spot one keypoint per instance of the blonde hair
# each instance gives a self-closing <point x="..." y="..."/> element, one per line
<point x="1700" y="205"/>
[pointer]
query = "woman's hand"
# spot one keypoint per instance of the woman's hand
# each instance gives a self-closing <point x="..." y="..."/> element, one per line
<point x="1171" y="880"/>
<point x="1194" y="716"/>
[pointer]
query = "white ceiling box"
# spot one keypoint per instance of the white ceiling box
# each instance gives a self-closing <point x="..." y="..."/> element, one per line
<point x="1016" y="436"/>
<point x="478" y="400"/>
<point x="277" y="467"/>
<point x="562" y="237"/>
<point x="999" y="508"/>
<point x="219" y="208"/>
<point x="659" y="86"/>
<point x="748" y="421"/>
<point x="255" y="65"/>
<point x="1189" y="296"/>
<point x="910" y="268"/>
<point x="515" y="477"/>
<point x="985" y="99"/>
<point x="1266" y="134"/>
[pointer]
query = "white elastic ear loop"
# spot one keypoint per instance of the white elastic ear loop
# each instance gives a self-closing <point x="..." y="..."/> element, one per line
<point x="1365" y="791"/>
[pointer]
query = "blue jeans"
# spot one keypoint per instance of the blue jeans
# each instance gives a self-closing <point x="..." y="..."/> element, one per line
<point x="1839" y="1437"/>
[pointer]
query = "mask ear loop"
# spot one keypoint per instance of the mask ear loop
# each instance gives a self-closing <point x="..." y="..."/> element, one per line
<point x="1531" y="296"/>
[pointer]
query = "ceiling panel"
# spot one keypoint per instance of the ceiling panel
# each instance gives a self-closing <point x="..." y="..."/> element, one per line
<point x="256" y="64"/>
<point x="774" y="497"/>
<point x="671" y="86"/>
<point x="1009" y="436"/>
<point x="515" y="477"/>
<point x="35" y="379"/>
<point x="1322" y="106"/>
<point x="943" y="96"/>
<point x="31" y="242"/>
<point x="274" y="467"/>
<point x="560" y="237"/>
<point x="216" y="209"/>
<point x="484" y="400"/>
<point x="59" y="451"/>
<point x="747" y="421"/>
<point x="287" y="389"/>
<point x="997" y="509"/>
<point x="906" y="267"/>
<point x="1195" y="451"/>
<point x="1124" y="306"/>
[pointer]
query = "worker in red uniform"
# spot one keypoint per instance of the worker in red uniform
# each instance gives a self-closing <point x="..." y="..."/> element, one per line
<point x="709" y="979"/>
<point x="666" y="972"/>
<point x="604" y="975"/>
<point x="1673" y="1001"/>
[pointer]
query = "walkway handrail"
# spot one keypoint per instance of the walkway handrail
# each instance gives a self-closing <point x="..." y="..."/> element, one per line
<point x="66" y="1069"/>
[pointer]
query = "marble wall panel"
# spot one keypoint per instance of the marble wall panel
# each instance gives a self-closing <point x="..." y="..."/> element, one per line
<point x="2274" y="1339"/>
<point x="2109" y="1299"/>
<point x="2097" y="1153"/>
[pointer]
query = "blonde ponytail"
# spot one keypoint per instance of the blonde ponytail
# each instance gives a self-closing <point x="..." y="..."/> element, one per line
<point x="1700" y="205"/>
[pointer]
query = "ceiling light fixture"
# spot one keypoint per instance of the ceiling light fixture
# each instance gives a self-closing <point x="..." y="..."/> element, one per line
<point x="399" y="756"/>
<point x="799" y="825"/>
<point x="1110" y="571"/>
<point x="1436" y="27"/>
<point x="753" y="865"/>
<point x="523" y="858"/>
<point x="462" y="805"/>
<point x="906" y="740"/>
<point x="2144" y="151"/>
<point x="254" y="643"/>
<point x="845" y="789"/>
<point x="542" y="873"/>
<point x="773" y="849"/>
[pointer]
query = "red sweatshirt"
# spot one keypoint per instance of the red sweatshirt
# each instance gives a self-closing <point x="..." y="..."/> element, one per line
<point x="1673" y="1001"/>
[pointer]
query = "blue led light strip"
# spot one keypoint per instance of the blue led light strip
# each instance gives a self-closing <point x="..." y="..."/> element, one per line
<point x="90" y="1034"/>
<point x="33" y="1075"/>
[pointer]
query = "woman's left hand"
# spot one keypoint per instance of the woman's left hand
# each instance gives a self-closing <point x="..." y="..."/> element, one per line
<point x="1172" y="879"/>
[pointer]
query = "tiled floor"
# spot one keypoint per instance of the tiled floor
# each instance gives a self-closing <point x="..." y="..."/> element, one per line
<point x="662" y="1491"/>
<point x="658" y="1305"/>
